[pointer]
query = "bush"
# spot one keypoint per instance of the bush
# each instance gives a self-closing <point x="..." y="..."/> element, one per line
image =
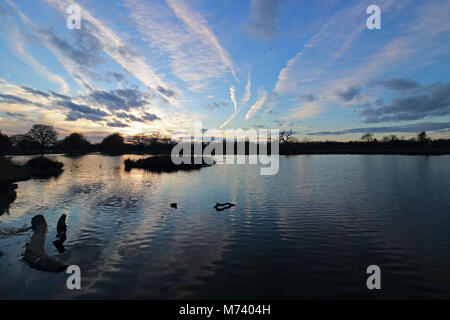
<point x="42" y="163"/>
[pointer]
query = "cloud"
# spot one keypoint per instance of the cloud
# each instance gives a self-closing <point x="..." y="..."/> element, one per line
<point x="233" y="98"/>
<point x="117" y="124"/>
<point x="93" y="106"/>
<point x="167" y="93"/>
<point x="120" y="99"/>
<point x="216" y="105"/>
<point x="417" y="127"/>
<point x="82" y="109"/>
<point x="397" y="84"/>
<point x="248" y="90"/>
<point x="145" y="117"/>
<point x="334" y="38"/>
<point x="18" y="39"/>
<point x="128" y="116"/>
<point x="60" y="96"/>
<point x="116" y="76"/>
<point x="97" y="34"/>
<point x="263" y="17"/>
<point x="12" y="99"/>
<point x="334" y="57"/>
<point x="349" y="94"/>
<point x="197" y="24"/>
<point x="150" y="117"/>
<point x="85" y="50"/>
<point x="262" y="97"/>
<point x="235" y="103"/>
<point x="35" y="92"/>
<point x="305" y="110"/>
<point x="427" y="101"/>
<point x="309" y="97"/>
<point x="17" y="115"/>
<point x="74" y="116"/>
<point x="182" y="35"/>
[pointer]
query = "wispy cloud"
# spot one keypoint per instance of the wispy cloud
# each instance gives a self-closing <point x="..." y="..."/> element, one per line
<point x="329" y="43"/>
<point x="262" y="97"/>
<point x="197" y="24"/>
<point x="215" y="105"/>
<point x="194" y="52"/>
<point x="245" y="99"/>
<point x="118" y="50"/>
<point x="18" y="41"/>
<point x="233" y="98"/>
<point x="326" y="65"/>
<point x="230" y="118"/>
<point x="248" y="90"/>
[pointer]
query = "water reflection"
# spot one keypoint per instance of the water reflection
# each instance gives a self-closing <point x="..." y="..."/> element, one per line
<point x="308" y="232"/>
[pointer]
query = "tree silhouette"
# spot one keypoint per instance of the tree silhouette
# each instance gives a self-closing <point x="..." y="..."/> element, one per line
<point x="75" y="143"/>
<point x="368" y="137"/>
<point x="140" y="139"/>
<point x="5" y="143"/>
<point x="44" y="136"/>
<point x="391" y="138"/>
<point x="286" y="136"/>
<point x="423" y="137"/>
<point x="113" y="143"/>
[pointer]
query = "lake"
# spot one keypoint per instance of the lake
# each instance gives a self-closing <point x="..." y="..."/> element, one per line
<point x="308" y="232"/>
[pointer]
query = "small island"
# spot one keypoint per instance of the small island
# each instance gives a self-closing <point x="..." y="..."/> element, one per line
<point x="163" y="163"/>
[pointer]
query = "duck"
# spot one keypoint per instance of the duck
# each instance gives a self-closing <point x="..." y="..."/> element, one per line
<point x="174" y="205"/>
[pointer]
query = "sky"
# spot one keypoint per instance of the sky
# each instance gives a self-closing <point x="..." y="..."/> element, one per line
<point x="313" y="66"/>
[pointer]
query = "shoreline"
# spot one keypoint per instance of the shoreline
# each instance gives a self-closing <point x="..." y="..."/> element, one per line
<point x="12" y="173"/>
<point x="406" y="152"/>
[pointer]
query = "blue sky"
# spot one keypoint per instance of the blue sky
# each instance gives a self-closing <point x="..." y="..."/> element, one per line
<point x="310" y="66"/>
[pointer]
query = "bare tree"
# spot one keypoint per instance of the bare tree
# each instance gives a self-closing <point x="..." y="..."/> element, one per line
<point x="368" y="137"/>
<point x="391" y="138"/>
<point x="286" y="136"/>
<point x="155" y="137"/>
<point x="44" y="135"/>
<point x="140" y="139"/>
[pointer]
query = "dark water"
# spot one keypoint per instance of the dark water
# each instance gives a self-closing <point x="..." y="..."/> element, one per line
<point x="308" y="232"/>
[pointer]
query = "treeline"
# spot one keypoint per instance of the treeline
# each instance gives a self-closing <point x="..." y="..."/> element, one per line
<point x="41" y="139"/>
<point x="368" y="144"/>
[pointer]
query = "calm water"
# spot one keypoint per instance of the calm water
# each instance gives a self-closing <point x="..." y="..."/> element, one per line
<point x="308" y="232"/>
